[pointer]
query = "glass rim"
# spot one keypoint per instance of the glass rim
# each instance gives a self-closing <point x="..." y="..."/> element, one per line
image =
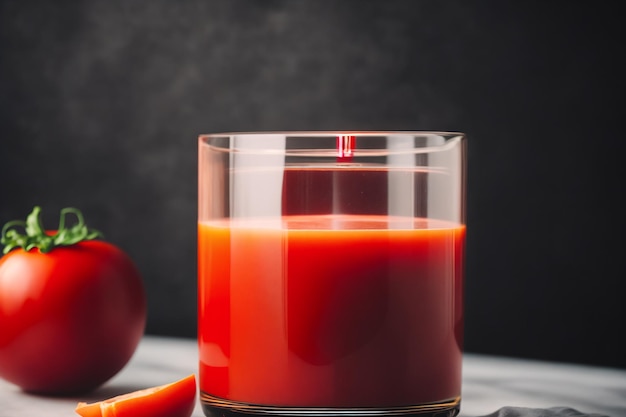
<point x="330" y="133"/>
<point x="450" y="140"/>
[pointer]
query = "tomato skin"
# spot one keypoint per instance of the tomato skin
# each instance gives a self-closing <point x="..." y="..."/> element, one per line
<point x="70" y="319"/>
<point x="171" y="400"/>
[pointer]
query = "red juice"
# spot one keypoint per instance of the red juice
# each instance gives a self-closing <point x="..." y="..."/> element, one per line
<point x="331" y="310"/>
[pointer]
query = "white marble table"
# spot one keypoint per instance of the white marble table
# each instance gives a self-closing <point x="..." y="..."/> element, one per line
<point x="488" y="384"/>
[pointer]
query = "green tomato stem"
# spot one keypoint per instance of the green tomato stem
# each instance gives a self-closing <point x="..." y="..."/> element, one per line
<point x="35" y="235"/>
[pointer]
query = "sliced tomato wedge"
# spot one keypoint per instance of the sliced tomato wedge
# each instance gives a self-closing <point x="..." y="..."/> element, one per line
<point x="176" y="399"/>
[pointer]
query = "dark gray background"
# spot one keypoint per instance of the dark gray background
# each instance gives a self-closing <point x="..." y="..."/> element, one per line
<point x="101" y="103"/>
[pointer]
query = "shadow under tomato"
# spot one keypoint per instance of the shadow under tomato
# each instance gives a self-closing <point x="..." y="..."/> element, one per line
<point x="99" y="394"/>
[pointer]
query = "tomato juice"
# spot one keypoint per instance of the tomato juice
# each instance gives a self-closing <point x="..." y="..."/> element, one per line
<point x="331" y="310"/>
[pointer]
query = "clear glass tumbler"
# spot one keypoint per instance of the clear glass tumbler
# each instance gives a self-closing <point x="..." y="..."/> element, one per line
<point x="330" y="272"/>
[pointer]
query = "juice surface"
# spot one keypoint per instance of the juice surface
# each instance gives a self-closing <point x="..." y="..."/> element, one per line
<point x="331" y="311"/>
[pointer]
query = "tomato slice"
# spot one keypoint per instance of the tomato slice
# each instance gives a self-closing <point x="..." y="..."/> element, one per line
<point x="176" y="399"/>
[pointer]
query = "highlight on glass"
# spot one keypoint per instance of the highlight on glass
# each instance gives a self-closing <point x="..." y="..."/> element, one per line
<point x="330" y="273"/>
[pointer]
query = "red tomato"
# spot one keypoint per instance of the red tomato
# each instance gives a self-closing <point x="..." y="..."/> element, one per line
<point x="71" y="318"/>
<point x="171" y="400"/>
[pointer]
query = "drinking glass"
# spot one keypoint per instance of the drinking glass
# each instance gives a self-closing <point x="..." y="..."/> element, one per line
<point x="330" y="273"/>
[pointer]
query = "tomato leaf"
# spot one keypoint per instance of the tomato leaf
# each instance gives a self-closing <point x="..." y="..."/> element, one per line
<point x="35" y="235"/>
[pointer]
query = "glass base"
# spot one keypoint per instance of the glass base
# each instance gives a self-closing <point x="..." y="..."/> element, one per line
<point x="218" y="407"/>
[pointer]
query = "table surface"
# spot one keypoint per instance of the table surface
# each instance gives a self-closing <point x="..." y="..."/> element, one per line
<point x="488" y="383"/>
